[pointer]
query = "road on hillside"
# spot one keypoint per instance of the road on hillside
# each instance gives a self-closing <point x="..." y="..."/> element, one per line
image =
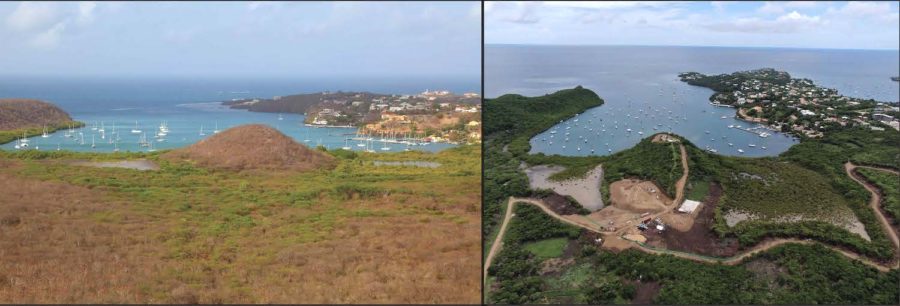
<point x="761" y="247"/>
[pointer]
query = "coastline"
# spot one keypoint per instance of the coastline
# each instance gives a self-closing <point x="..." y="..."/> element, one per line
<point x="8" y="136"/>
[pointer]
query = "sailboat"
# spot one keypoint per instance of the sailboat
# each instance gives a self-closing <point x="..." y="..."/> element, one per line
<point x="368" y="146"/>
<point x="93" y="143"/>
<point x="307" y="136"/>
<point x="201" y="131"/>
<point x="135" y="130"/>
<point x="346" y="145"/>
<point x="44" y="134"/>
<point x="280" y="117"/>
<point x="150" y="149"/>
<point x="216" y="131"/>
<point x="23" y="143"/>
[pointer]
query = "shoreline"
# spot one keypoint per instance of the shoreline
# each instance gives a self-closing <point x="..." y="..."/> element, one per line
<point x="7" y="136"/>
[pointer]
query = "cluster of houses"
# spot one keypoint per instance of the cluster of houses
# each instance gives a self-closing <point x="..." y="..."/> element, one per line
<point x="361" y="108"/>
<point x="795" y="105"/>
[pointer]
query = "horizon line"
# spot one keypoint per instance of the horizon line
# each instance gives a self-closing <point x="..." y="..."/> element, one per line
<point x="691" y="46"/>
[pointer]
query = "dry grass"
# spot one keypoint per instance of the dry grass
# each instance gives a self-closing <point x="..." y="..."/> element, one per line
<point x="99" y="235"/>
<point x="253" y="146"/>
<point x="385" y="260"/>
<point x="25" y="113"/>
<point x="61" y="247"/>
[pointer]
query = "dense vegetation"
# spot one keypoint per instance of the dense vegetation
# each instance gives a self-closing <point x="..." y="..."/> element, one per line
<point x="659" y="162"/>
<point x="509" y="121"/>
<point x="808" y="179"/>
<point x="788" y="274"/>
<point x="772" y="187"/>
<point x="516" y="268"/>
<point x="889" y="184"/>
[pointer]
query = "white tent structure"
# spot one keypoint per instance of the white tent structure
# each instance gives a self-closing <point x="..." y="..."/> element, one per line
<point x="688" y="206"/>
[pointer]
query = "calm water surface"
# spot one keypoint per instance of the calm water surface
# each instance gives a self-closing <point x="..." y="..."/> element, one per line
<point x="187" y="105"/>
<point x="642" y="91"/>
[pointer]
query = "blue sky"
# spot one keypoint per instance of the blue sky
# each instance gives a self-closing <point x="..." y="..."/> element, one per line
<point x="829" y="25"/>
<point x="241" y="39"/>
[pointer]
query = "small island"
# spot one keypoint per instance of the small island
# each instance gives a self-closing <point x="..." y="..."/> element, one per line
<point x="792" y="105"/>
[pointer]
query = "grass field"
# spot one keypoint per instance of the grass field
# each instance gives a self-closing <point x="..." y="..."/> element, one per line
<point x="772" y="190"/>
<point x="698" y="190"/>
<point x="356" y="234"/>
<point x="547" y="248"/>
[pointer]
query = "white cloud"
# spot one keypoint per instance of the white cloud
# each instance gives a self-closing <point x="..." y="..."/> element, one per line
<point x="515" y="12"/>
<point x="50" y="38"/>
<point x="45" y="24"/>
<point x="788" y="23"/>
<point x="877" y="11"/>
<point x="255" y="5"/>
<point x="777" y="8"/>
<point x="609" y="4"/>
<point x="32" y="15"/>
<point x="86" y="12"/>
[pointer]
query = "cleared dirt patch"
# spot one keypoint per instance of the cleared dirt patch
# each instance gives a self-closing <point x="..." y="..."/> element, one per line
<point x="629" y="200"/>
<point x="585" y="190"/>
<point x="141" y="164"/>
<point x="664" y="138"/>
<point x="699" y="238"/>
<point x="637" y="196"/>
<point x="560" y="205"/>
<point x="846" y="219"/>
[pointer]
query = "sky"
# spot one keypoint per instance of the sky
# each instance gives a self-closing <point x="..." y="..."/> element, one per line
<point x="241" y="39"/>
<point x="820" y="25"/>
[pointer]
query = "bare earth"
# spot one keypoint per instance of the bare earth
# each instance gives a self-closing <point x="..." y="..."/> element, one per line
<point x="585" y="190"/>
<point x="623" y="238"/>
<point x="140" y="164"/>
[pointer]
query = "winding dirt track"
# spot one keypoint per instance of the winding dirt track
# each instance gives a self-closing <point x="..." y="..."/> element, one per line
<point x="761" y="247"/>
<point x="875" y="201"/>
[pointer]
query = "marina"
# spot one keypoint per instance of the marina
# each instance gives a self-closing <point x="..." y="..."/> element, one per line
<point x="136" y="130"/>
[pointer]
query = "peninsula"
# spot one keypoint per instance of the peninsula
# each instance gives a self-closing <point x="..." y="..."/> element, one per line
<point x="792" y="105"/>
<point x="681" y="225"/>
<point x="438" y="116"/>
<point x="23" y="118"/>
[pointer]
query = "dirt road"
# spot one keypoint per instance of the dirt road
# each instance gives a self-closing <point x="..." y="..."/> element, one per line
<point x="498" y="241"/>
<point x="495" y="247"/>
<point x="679" y="185"/>
<point x="766" y="245"/>
<point x="875" y="201"/>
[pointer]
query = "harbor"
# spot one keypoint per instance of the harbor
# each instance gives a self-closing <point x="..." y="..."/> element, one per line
<point x="672" y="107"/>
<point x="142" y="130"/>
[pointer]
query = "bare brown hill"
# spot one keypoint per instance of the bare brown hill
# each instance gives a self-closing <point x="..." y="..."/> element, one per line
<point x="29" y="113"/>
<point x="253" y="146"/>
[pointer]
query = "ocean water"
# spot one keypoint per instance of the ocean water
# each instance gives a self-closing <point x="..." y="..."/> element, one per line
<point x="186" y="105"/>
<point x="641" y="90"/>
